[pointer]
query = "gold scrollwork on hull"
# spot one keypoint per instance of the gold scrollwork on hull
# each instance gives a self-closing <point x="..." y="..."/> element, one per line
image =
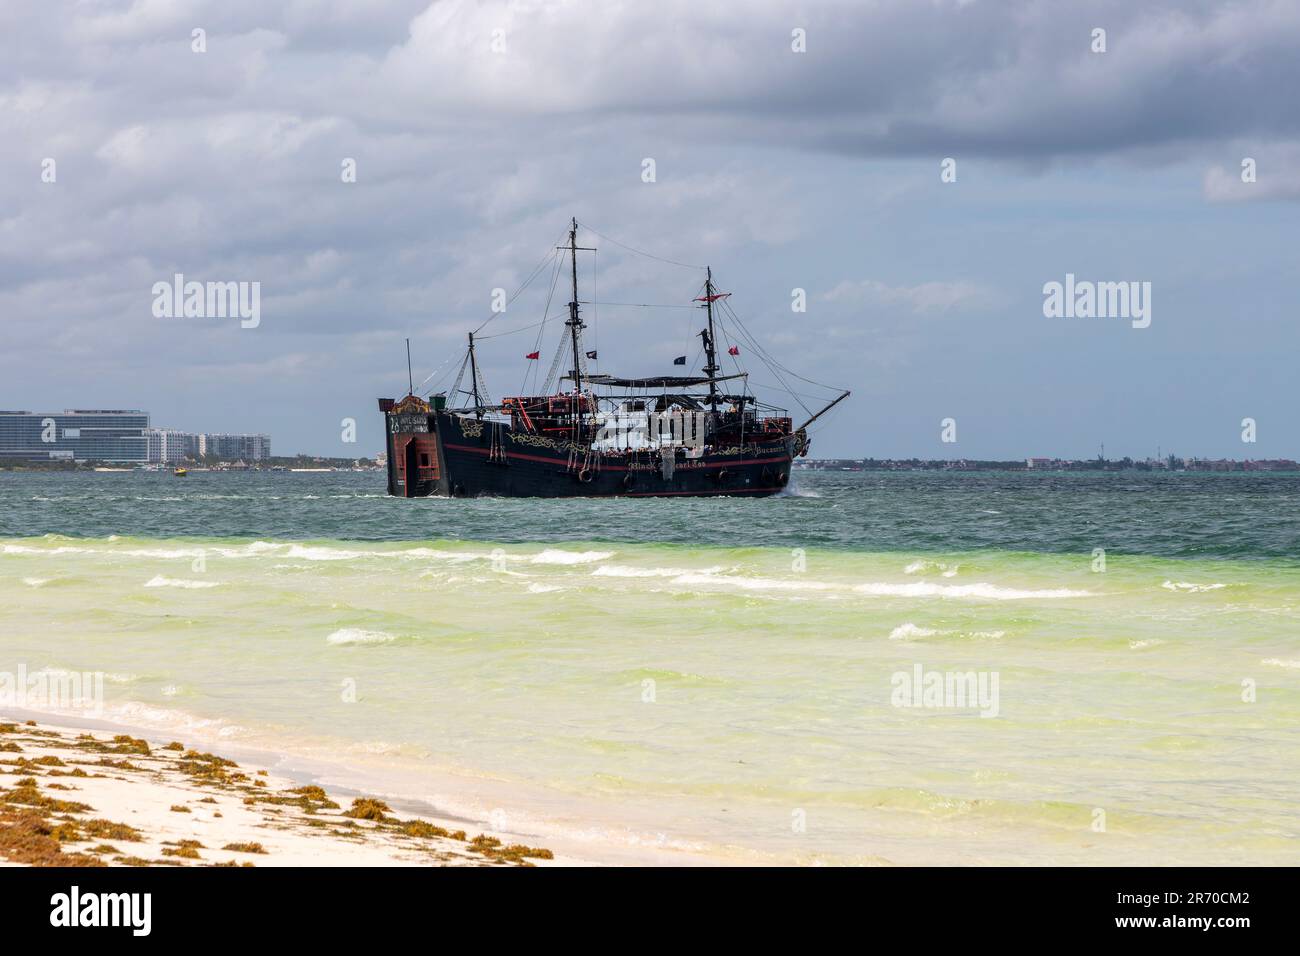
<point x="535" y="441"/>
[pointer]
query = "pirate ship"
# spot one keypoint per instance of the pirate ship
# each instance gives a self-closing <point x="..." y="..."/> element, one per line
<point x="603" y="435"/>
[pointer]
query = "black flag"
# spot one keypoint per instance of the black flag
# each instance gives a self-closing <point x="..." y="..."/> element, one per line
<point x="592" y="356"/>
<point x="680" y="360"/>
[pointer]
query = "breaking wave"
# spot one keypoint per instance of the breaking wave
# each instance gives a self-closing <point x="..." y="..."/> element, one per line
<point x="158" y="581"/>
<point x="979" y="592"/>
<point x="910" y="632"/>
<point x="356" y="635"/>
<point x="621" y="571"/>
<point x="556" y="556"/>
<point x="931" y="567"/>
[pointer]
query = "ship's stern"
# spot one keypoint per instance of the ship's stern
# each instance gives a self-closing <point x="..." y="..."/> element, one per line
<point x="411" y="442"/>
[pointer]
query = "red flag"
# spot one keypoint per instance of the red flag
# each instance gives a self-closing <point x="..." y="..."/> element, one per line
<point x="533" y="355"/>
<point x="713" y="298"/>
<point x="734" y="350"/>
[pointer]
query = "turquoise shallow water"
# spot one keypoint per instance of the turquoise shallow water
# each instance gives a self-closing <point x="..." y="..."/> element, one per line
<point x="722" y="676"/>
<point x="1244" y="515"/>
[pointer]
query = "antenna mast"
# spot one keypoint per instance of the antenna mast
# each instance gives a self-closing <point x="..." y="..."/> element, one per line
<point x="410" y="379"/>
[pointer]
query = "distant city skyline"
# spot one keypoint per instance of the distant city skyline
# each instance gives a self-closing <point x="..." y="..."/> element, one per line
<point x="117" y="435"/>
<point x="952" y="454"/>
<point x="987" y="218"/>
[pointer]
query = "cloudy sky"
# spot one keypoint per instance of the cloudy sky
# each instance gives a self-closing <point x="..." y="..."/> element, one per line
<point x="478" y="128"/>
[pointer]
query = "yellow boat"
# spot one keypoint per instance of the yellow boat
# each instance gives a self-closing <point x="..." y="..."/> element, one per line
<point x="180" y="472"/>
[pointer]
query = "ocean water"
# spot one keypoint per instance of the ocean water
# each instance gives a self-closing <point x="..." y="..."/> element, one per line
<point x="725" y="677"/>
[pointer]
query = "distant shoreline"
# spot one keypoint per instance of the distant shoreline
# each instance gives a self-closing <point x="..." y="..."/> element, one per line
<point x="365" y="465"/>
<point x="1057" y="465"/>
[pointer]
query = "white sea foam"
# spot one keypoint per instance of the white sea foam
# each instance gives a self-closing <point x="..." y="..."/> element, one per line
<point x="356" y="635"/>
<point x="1148" y="642"/>
<point x="454" y="557"/>
<point x="986" y="592"/>
<point x="751" y="584"/>
<point x="24" y="549"/>
<point x="556" y="556"/>
<point x="790" y="491"/>
<point x="36" y="582"/>
<point x="308" y="553"/>
<point x="909" y="631"/>
<point x="709" y="579"/>
<point x="250" y="550"/>
<point x="158" y="581"/>
<point x="905" y="632"/>
<point x="1189" y="588"/>
<point x="622" y="571"/>
<point x="1279" y="662"/>
<point x="929" y="567"/>
<point x="536" y="588"/>
<point x="178" y="722"/>
<point x="162" y="554"/>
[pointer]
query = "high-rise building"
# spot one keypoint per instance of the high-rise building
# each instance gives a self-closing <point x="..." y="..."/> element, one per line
<point x="168" y="446"/>
<point x="80" y="434"/>
<point x="235" y="447"/>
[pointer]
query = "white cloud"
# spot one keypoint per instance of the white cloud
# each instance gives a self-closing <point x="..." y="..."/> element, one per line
<point x="1276" y="172"/>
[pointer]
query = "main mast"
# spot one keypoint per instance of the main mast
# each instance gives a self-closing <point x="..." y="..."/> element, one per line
<point x="711" y="370"/>
<point x="575" y="324"/>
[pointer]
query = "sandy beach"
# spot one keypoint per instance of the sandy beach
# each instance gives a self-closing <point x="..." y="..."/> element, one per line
<point x="74" y="797"/>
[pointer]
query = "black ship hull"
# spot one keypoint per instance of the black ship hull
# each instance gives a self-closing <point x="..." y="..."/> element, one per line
<point x="454" y="455"/>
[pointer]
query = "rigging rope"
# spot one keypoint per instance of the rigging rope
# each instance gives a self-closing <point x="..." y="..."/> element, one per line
<point x="541" y="332"/>
<point x="639" y="252"/>
<point x="638" y="305"/>
<point x="522" y="328"/>
<point x="447" y="361"/>
<point x="454" y="394"/>
<point x="531" y="276"/>
<point x="726" y="305"/>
